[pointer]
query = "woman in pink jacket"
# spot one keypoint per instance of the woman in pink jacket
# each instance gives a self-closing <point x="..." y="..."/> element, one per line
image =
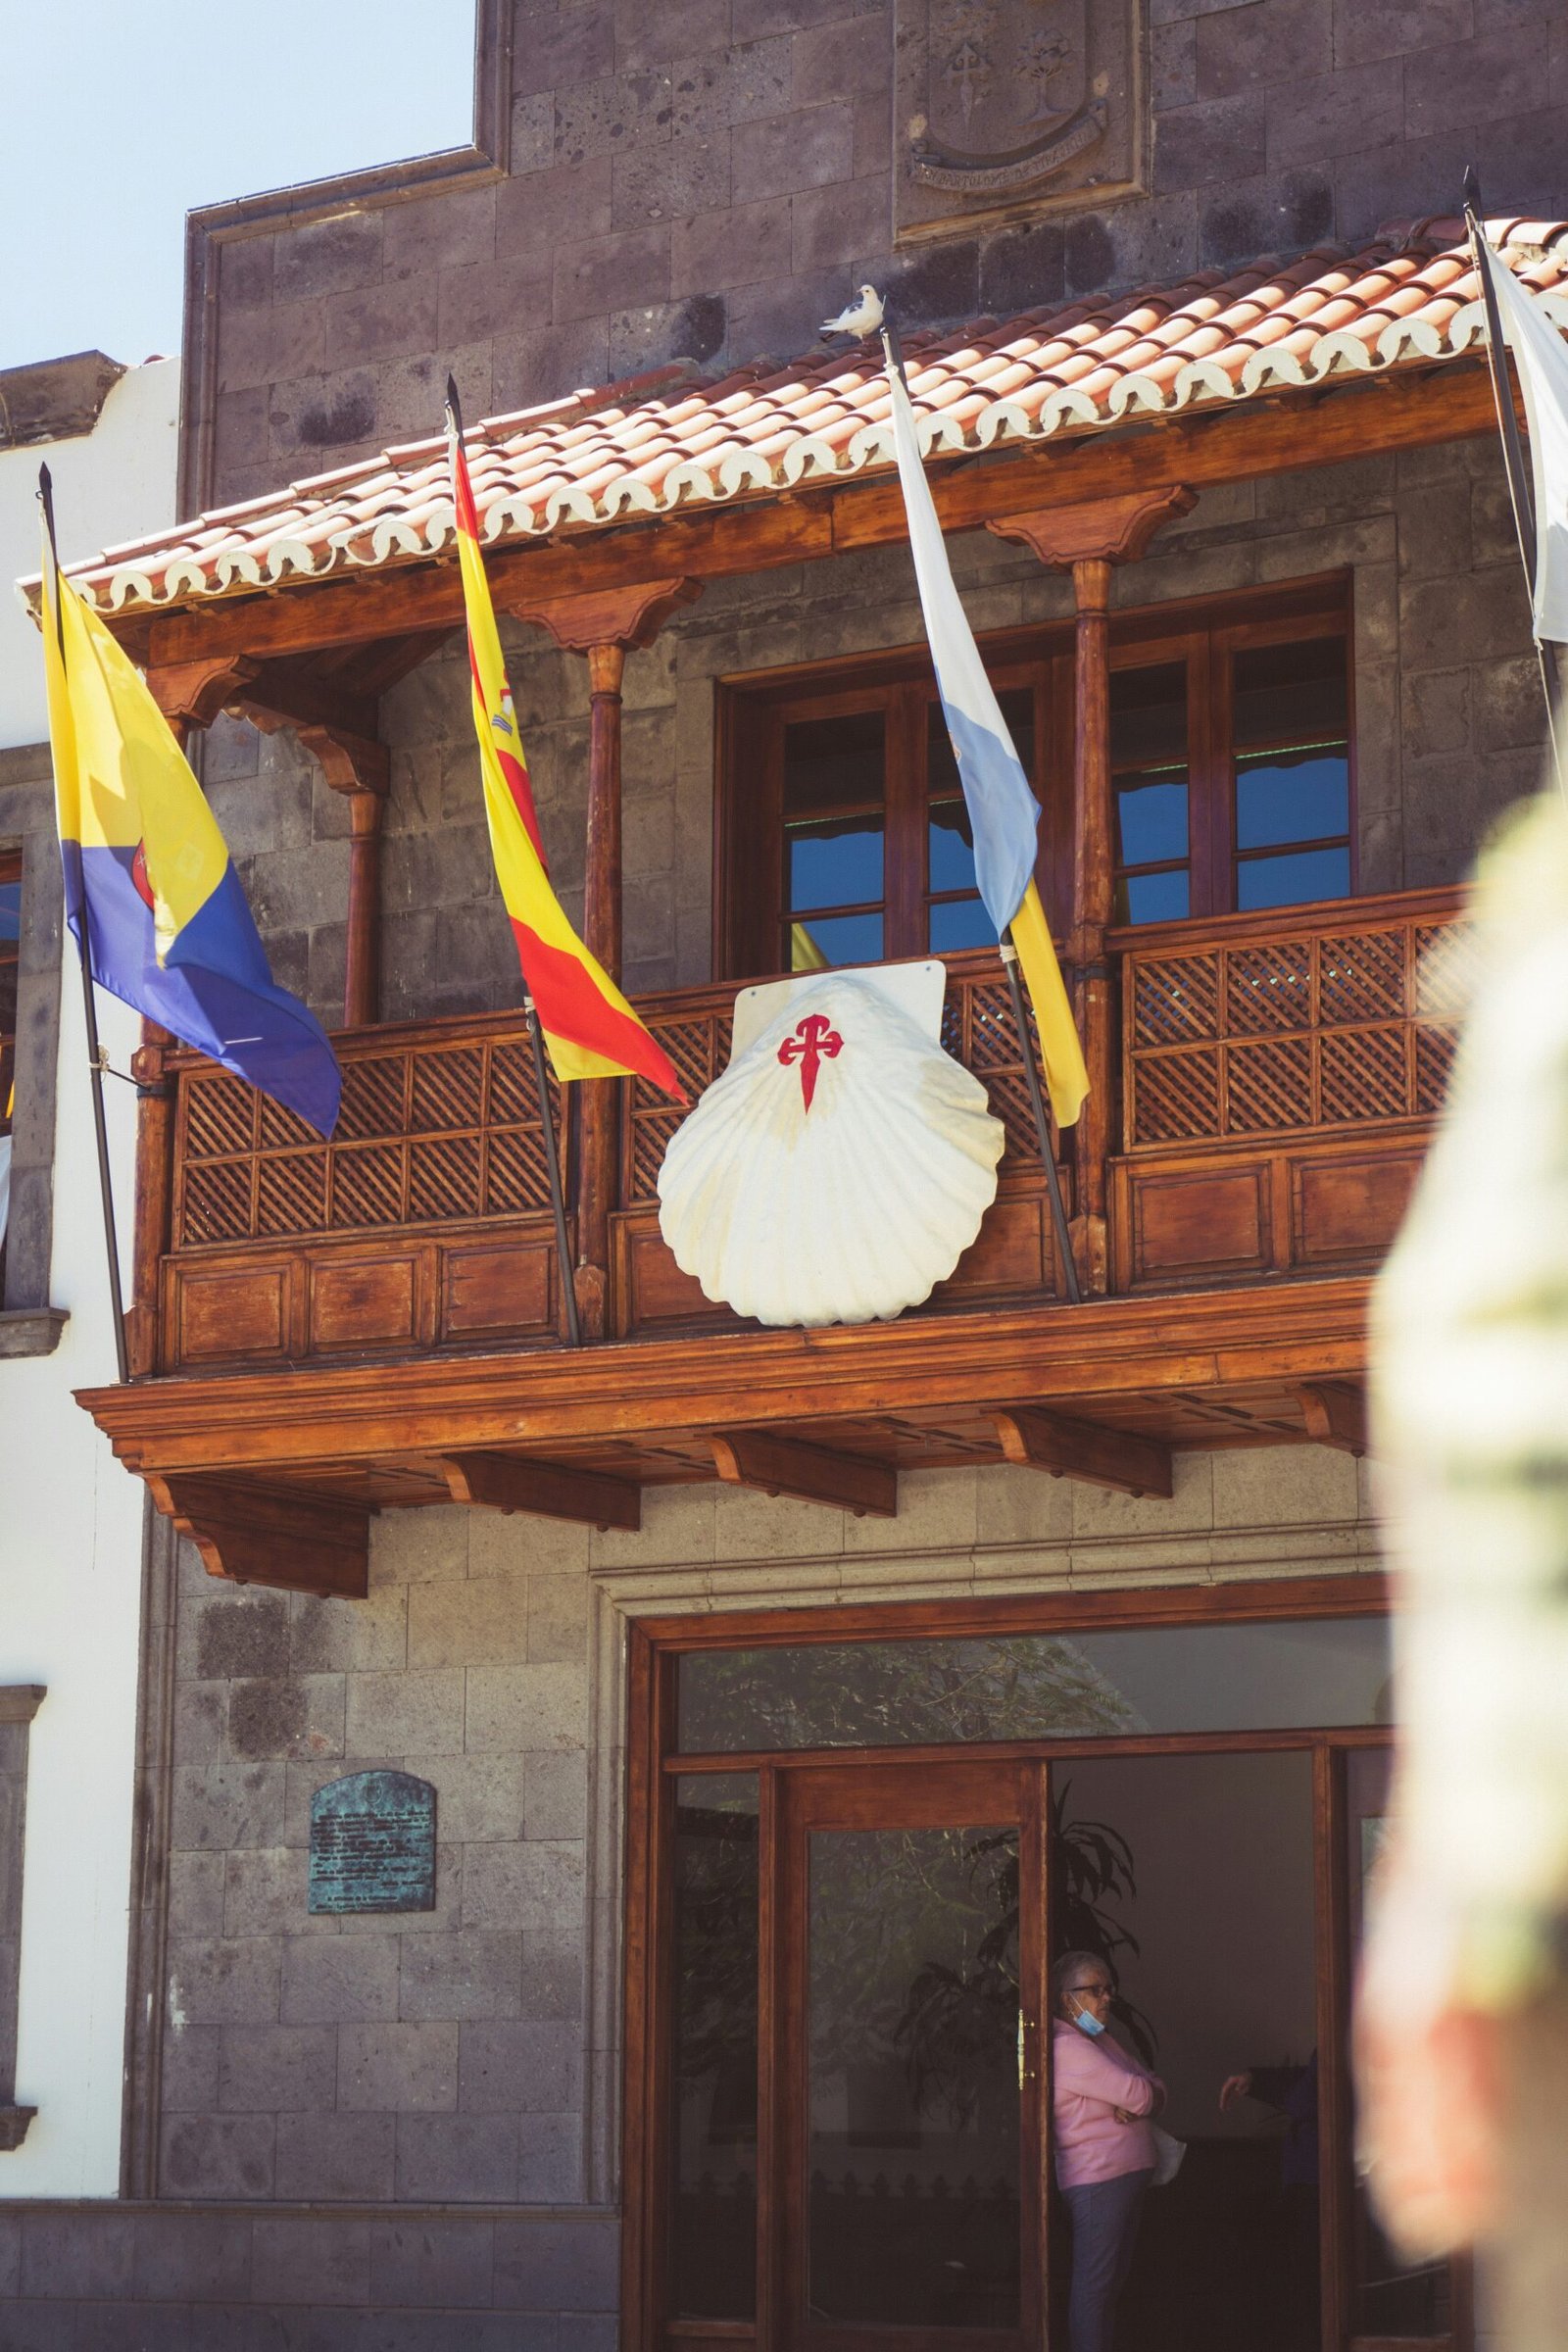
<point x="1101" y="2100"/>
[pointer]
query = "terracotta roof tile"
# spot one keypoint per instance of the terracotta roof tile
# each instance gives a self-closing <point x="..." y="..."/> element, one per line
<point x="662" y="439"/>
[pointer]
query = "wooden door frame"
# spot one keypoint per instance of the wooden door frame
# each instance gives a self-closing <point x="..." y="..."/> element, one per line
<point x="655" y="1647"/>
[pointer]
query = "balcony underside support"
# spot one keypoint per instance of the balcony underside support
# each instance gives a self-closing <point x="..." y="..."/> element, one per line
<point x="1101" y="1457"/>
<point x="251" y="1533"/>
<point x="845" y="1482"/>
<point x="1335" y="1413"/>
<point x="499" y="1482"/>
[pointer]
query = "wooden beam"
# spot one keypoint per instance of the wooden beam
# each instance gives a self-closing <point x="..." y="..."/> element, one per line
<point x="1408" y="410"/>
<point x="1335" y="1413"/>
<point x="1084" y="1449"/>
<point x="253" y="1533"/>
<point x="1277" y="1334"/>
<point x="501" y="1482"/>
<point x="846" y="1481"/>
<point x="191" y="692"/>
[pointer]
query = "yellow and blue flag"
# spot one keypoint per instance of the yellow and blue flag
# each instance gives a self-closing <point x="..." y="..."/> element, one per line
<point x="151" y="894"/>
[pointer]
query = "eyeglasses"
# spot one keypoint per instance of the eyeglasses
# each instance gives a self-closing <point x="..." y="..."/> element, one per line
<point x="1092" y="1992"/>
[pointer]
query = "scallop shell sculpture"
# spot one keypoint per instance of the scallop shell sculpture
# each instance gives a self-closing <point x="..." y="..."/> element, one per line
<point x="838" y="1170"/>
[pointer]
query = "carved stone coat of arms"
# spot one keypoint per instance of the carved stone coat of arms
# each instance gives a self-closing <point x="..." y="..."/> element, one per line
<point x="1013" y="107"/>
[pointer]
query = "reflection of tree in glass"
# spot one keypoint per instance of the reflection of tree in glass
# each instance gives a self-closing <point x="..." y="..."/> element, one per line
<point x="896" y="1693"/>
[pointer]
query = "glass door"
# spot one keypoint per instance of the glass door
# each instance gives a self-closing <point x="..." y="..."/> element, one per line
<point x="911" y="1905"/>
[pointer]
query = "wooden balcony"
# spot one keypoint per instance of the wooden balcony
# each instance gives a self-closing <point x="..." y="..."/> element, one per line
<point x="353" y="1323"/>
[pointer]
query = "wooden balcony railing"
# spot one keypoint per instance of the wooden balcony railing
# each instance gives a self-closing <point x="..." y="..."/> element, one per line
<point x="1278" y="1072"/>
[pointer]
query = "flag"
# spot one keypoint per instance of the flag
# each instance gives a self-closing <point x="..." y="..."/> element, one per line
<point x="1541" y="358"/>
<point x="589" y="1029"/>
<point x="150" y="890"/>
<point x="1004" y="812"/>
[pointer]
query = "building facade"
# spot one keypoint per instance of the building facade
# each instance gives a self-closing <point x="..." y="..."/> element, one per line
<point x="791" y="1699"/>
<point x="70" y="1557"/>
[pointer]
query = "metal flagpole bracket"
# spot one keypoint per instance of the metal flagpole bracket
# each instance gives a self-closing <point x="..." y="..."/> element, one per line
<point x="558" y="1205"/>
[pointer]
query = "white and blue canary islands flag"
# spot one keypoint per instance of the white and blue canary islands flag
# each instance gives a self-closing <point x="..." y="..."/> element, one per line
<point x="1541" y="358"/>
<point x="1003" y="813"/>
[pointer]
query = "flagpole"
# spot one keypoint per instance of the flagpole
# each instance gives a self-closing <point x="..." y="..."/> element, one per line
<point x="558" y="1205"/>
<point x="1519" y="490"/>
<point x="95" y="1060"/>
<point x="1009" y="963"/>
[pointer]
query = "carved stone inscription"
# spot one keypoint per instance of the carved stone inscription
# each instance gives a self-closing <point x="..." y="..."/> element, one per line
<point x="1009" y="108"/>
<point x="373" y="1843"/>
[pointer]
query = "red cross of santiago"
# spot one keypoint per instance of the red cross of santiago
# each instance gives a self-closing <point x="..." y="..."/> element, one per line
<point x="815" y="1042"/>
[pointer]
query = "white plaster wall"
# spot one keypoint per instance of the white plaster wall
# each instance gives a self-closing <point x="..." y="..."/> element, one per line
<point x="70" y="1532"/>
<point x="110" y="485"/>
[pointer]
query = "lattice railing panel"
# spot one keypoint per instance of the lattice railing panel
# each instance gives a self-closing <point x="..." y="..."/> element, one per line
<point x="1319" y="1023"/>
<point x="431" y="1129"/>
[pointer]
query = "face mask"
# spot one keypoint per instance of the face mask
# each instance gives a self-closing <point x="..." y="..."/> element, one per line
<point x="1087" y="2023"/>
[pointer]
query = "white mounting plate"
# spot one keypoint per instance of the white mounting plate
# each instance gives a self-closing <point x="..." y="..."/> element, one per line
<point x="918" y="987"/>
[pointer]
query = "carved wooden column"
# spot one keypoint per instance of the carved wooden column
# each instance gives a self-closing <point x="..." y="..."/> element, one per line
<point x="603" y="626"/>
<point x="361" y="769"/>
<point x="1087" y="540"/>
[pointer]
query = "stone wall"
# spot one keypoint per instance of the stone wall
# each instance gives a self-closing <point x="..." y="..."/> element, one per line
<point x="470" y="2055"/>
<point x="1448" y="721"/>
<point x="709" y="178"/>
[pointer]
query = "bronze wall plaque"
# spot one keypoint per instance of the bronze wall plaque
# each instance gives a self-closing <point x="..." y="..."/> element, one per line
<point x="373" y="1843"/>
<point x="1007" y="108"/>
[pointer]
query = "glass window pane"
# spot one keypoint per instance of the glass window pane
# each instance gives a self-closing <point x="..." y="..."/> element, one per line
<point x="1149" y="718"/>
<point x="1153" y="897"/>
<point x="1290" y="694"/>
<point x="834" y="864"/>
<point x="913" y="2153"/>
<point x="713" y="2047"/>
<point x="1293" y="880"/>
<point x="961" y="923"/>
<point x="1183" y="1678"/>
<point x="1017" y="706"/>
<point x="1291" y="796"/>
<point x="833" y="764"/>
<point x="835" y="939"/>
<point x="1151" y="823"/>
<point x="951" y="851"/>
<point x="10" y="911"/>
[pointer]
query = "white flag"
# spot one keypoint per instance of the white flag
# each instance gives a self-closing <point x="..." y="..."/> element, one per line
<point x="1542" y="357"/>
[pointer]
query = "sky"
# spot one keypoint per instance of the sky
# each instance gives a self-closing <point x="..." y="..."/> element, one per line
<point x="119" y="116"/>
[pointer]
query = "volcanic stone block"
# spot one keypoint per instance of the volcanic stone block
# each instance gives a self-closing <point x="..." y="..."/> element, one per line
<point x="457" y="2158"/>
<point x="340" y="2156"/>
<point x="277" y="2069"/>
<point x="519" y="2066"/>
<point x="339" y="1980"/>
<point x="470" y="1975"/>
<point x="216" y="2155"/>
<point x="409" y="2067"/>
<point x="805" y="149"/>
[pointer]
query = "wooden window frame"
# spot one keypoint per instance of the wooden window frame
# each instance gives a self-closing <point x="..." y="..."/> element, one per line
<point x="10" y="958"/>
<point x="754" y="707"/>
<point x="655" y="1763"/>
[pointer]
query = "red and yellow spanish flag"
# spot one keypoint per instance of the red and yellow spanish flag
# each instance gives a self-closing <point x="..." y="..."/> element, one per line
<point x="590" y="1031"/>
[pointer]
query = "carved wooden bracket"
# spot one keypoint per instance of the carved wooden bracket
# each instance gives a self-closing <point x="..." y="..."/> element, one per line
<point x="191" y="694"/>
<point x="501" y="1482"/>
<point x="14" y="2122"/>
<point x="1335" y="1414"/>
<point x="1111" y="530"/>
<point x="353" y="764"/>
<point x="847" y="1482"/>
<point x="1070" y="1448"/>
<point x="625" y="617"/>
<point x="260" y="1535"/>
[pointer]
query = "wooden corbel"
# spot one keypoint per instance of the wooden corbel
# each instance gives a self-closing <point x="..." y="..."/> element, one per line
<point x="1335" y="1413"/>
<point x="1067" y="1448"/>
<point x="191" y="694"/>
<point x="629" y="618"/>
<point x="264" y="1535"/>
<point x="1106" y="530"/>
<point x="846" y="1481"/>
<point x="501" y="1482"/>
